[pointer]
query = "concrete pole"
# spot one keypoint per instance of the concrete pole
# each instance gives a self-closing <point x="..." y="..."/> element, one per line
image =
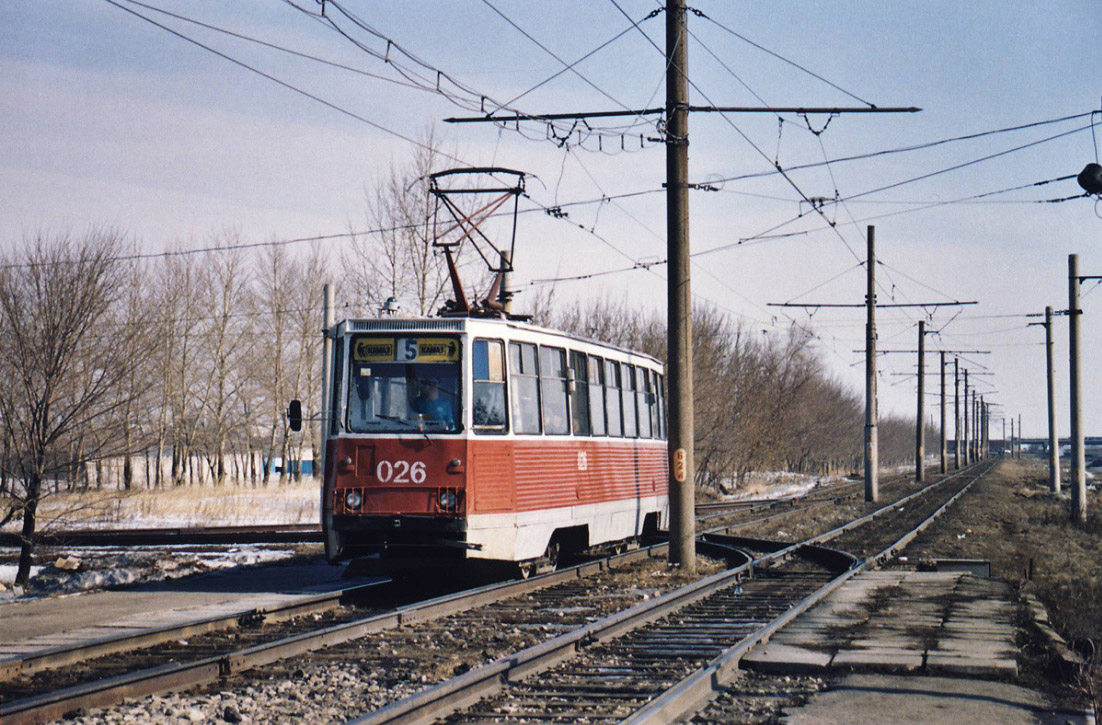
<point x="964" y="412"/>
<point x="326" y="368"/>
<point x="1019" y="435"/>
<point x="1053" y="439"/>
<point x="1078" y="455"/>
<point x="1011" y="436"/>
<point x="983" y="429"/>
<point x="1002" y="450"/>
<point x="331" y="541"/>
<point x="872" y="453"/>
<point x="920" y="421"/>
<point x="975" y="425"/>
<point x="678" y="295"/>
<point x="944" y="447"/>
<point x="956" y="414"/>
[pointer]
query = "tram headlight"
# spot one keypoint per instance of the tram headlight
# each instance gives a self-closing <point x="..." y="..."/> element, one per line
<point x="447" y="500"/>
<point x="353" y="499"/>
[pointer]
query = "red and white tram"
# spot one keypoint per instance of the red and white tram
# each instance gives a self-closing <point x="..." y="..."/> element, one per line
<point x="461" y="438"/>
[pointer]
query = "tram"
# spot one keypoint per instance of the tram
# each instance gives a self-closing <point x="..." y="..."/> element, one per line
<point x="489" y="439"/>
<point x="476" y="436"/>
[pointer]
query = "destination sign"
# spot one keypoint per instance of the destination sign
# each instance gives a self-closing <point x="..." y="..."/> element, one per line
<point x="405" y="349"/>
<point x="437" y="349"/>
<point x="373" y="349"/>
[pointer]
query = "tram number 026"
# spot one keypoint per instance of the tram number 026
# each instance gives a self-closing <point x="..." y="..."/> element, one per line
<point x="400" y="472"/>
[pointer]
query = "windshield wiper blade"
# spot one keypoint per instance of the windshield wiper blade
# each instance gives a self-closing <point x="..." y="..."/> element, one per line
<point x="417" y="427"/>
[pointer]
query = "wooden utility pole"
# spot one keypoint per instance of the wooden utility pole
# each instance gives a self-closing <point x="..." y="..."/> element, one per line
<point x="872" y="453"/>
<point x="920" y="421"/>
<point x="678" y="295"/>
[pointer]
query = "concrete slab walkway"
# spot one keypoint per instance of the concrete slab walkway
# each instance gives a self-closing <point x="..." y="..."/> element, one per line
<point x="859" y="699"/>
<point x="36" y="625"/>
<point x="901" y="621"/>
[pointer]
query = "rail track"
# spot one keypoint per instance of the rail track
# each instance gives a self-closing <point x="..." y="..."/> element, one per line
<point x="661" y="660"/>
<point x="776" y="581"/>
<point x="242" y="623"/>
<point x="311" y="533"/>
<point x="256" y="534"/>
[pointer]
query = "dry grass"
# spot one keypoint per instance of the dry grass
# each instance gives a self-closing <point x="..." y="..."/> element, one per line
<point x="182" y="506"/>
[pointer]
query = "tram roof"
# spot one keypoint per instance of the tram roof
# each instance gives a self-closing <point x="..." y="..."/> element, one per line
<point x="471" y="324"/>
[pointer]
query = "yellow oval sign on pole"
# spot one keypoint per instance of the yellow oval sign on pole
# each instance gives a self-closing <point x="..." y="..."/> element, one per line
<point x="679" y="472"/>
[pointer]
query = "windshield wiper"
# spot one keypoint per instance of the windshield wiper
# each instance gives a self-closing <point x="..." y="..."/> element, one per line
<point x="416" y="426"/>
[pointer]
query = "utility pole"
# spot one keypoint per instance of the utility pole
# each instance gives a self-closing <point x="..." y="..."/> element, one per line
<point x="977" y="431"/>
<point x="1019" y="435"/>
<point x="679" y="301"/>
<point x="331" y="540"/>
<point x="920" y="421"/>
<point x="964" y="412"/>
<point x="1078" y="456"/>
<point x="872" y="453"/>
<point x="984" y="452"/>
<point x="678" y="295"/>
<point x="1050" y="379"/>
<point x="944" y="448"/>
<point x="1003" y="447"/>
<point x="956" y="414"/>
<point x="1053" y="440"/>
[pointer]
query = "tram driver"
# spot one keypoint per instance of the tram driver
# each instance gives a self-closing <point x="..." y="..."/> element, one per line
<point x="430" y="404"/>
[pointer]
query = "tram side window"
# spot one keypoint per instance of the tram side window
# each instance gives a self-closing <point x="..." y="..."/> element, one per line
<point x="554" y="391"/>
<point x="612" y="398"/>
<point x="525" y="382"/>
<point x="579" y="394"/>
<point x="630" y="428"/>
<point x="660" y="390"/>
<point x="644" y="401"/>
<point x="597" y="395"/>
<point x="337" y="377"/>
<point x="655" y="407"/>
<point x="488" y="373"/>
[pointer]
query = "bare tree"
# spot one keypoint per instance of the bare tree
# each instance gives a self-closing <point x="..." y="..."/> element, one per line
<point x="305" y="383"/>
<point x="398" y="259"/>
<point x="226" y="347"/>
<point x="67" y="351"/>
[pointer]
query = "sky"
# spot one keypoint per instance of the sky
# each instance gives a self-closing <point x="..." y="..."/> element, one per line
<point x="177" y="134"/>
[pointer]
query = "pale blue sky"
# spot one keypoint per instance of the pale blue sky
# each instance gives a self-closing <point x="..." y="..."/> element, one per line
<point x="110" y="120"/>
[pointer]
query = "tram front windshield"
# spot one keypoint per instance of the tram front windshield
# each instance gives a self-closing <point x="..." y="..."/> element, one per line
<point x="403" y="397"/>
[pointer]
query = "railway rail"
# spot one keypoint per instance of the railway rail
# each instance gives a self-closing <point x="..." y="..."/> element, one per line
<point x="660" y="660"/>
<point x="756" y="571"/>
<point x="240" y="621"/>
<point x="174" y="536"/>
<point x="50" y="695"/>
<point x="311" y="533"/>
<point x="243" y="620"/>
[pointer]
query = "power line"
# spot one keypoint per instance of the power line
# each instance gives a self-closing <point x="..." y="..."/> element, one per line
<point x="906" y="149"/>
<point x="285" y="84"/>
<point x="792" y="63"/>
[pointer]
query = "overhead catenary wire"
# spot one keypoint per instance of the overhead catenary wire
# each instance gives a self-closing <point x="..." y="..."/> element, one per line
<point x="329" y="104"/>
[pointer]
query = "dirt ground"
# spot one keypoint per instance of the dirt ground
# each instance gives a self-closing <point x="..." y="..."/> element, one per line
<point x="1010" y="519"/>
